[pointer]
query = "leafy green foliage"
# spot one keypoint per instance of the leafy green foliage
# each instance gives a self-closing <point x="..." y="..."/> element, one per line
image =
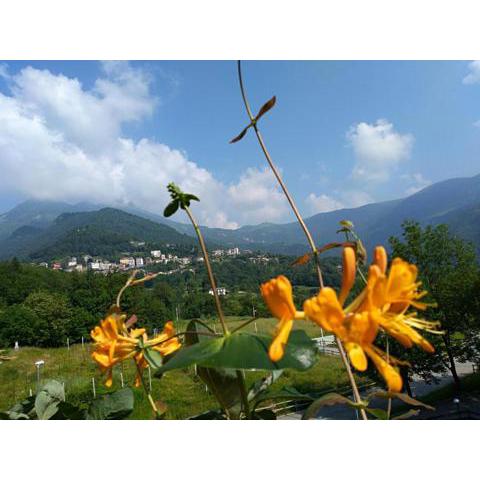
<point x="113" y="406"/>
<point x="48" y="400"/>
<point x="245" y="351"/>
<point x="49" y="404"/>
<point x="450" y="273"/>
<point x="221" y="382"/>
<point x="179" y="199"/>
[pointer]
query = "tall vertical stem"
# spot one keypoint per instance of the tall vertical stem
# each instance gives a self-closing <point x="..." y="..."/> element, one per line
<point x="279" y="179"/>
<point x="209" y="270"/>
<point x="302" y="224"/>
<point x="218" y="305"/>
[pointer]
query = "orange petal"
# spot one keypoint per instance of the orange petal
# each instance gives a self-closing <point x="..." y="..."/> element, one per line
<point x="380" y="258"/>
<point x="357" y="356"/>
<point x="349" y="271"/>
<point x="325" y="310"/>
<point x="277" y="348"/>
<point x="277" y="294"/>
<point x="389" y="373"/>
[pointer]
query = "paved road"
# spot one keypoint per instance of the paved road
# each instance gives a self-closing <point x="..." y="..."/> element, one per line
<point x="418" y="385"/>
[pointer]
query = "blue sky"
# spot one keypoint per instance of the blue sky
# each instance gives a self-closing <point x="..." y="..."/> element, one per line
<point x="343" y="133"/>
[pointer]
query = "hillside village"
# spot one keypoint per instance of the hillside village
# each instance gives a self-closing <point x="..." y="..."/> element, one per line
<point x="157" y="257"/>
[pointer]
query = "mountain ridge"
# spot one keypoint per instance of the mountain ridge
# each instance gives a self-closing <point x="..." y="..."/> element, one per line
<point x="453" y="201"/>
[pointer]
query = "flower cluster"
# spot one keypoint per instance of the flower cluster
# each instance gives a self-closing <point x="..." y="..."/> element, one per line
<point x="115" y="343"/>
<point x="382" y="304"/>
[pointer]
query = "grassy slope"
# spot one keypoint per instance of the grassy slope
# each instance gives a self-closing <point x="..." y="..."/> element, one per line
<point x="181" y="390"/>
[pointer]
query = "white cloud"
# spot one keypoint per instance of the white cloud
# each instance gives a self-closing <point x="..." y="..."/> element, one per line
<point x="474" y="73"/>
<point x="417" y="183"/>
<point x="477" y="124"/>
<point x="322" y="203"/>
<point x="61" y="141"/>
<point x="356" y="198"/>
<point x="378" y="150"/>
<point x="344" y="199"/>
<point x="257" y="198"/>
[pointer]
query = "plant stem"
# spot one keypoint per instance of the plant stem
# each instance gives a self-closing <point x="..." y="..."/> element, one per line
<point x="149" y="395"/>
<point x="153" y="343"/>
<point x="280" y="181"/>
<point x="389" y="407"/>
<point x="127" y="284"/>
<point x="240" y="374"/>
<point x="353" y="383"/>
<point x="302" y="224"/>
<point x="209" y="270"/>
<point x="244" y="324"/>
<point x="243" y="392"/>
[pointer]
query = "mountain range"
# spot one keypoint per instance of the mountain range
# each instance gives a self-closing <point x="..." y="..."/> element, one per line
<point x="33" y="228"/>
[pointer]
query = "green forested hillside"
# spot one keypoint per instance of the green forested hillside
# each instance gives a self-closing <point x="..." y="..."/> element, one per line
<point x="43" y="307"/>
<point x="106" y="232"/>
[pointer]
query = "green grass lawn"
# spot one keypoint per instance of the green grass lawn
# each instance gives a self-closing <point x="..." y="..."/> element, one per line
<point x="182" y="391"/>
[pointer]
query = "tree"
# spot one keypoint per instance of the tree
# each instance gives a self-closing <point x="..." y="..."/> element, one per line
<point x="53" y="318"/>
<point x="450" y="273"/>
<point x="17" y="323"/>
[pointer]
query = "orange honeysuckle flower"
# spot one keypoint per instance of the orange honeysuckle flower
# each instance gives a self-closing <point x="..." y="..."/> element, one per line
<point x="392" y="295"/>
<point x="357" y="331"/>
<point x="114" y="343"/>
<point x="165" y="343"/>
<point x="278" y="296"/>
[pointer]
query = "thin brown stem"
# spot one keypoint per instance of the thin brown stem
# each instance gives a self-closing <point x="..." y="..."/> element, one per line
<point x="302" y="224"/>
<point x="211" y="278"/>
<point x="244" y="324"/>
<point x="280" y="181"/>
<point x="389" y="405"/>
<point x="127" y="284"/>
<point x="351" y="378"/>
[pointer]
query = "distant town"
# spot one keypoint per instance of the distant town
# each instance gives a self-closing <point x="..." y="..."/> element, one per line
<point x="138" y="261"/>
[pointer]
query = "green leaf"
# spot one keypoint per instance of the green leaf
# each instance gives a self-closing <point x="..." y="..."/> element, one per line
<point x="286" y="393"/>
<point x="194" y="354"/>
<point x="25" y="410"/>
<point x="246" y="351"/>
<point x="48" y="399"/>
<point x="171" y="208"/>
<point x="407" y="415"/>
<point x="190" y="196"/>
<point x="401" y="396"/>
<point x="153" y="358"/>
<point x="67" y="411"/>
<point x="260" y="386"/>
<point x="378" y="413"/>
<point x="112" y="406"/>
<point x="221" y="382"/>
<point x="326" y="401"/>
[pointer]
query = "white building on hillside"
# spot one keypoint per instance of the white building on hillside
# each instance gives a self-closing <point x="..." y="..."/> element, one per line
<point x="221" y="291"/>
